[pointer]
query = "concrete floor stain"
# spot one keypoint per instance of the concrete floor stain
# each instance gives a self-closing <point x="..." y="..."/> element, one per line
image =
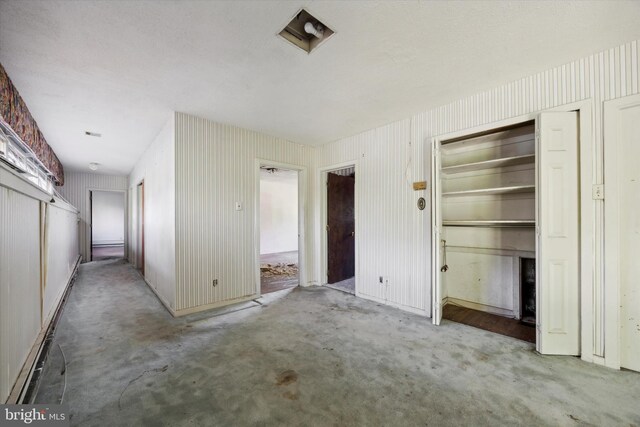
<point x="287" y="377"/>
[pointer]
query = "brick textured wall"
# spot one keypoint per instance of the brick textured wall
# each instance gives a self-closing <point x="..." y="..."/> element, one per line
<point x="14" y="112"/>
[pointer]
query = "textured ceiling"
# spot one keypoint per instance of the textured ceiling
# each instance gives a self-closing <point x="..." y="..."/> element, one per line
<point x="119" y="68"/>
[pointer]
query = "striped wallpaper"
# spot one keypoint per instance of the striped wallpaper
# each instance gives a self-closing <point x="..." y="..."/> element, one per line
<point x="38" y="253"/>
<point x="215" y="168"/>
<point x="20" y="318"/>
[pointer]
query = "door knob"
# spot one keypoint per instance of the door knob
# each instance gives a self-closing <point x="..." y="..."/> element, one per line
<point x="353" y="233"/>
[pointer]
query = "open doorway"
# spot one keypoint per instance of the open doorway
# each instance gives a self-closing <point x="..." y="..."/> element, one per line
<point x="340" y="228"/>
<point x="140" y="227"/>
<point x="279" y="222"/>
<point x="107" y="224"/>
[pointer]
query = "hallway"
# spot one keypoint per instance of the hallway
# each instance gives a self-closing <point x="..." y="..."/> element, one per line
<point x="307" y="356"/>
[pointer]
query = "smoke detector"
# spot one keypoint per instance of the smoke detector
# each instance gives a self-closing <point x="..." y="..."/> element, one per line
<point x="305" y="31"/>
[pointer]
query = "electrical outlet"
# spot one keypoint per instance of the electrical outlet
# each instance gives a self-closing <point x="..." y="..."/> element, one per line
<point x="215" y="282"/>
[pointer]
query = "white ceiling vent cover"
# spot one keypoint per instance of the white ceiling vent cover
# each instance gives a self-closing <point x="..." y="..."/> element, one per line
<point x="305" y="31"/>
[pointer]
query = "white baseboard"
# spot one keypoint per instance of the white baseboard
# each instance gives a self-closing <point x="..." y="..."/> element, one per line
<point x="107" y="243"/>
<point x="192" y="310"/>
<point x="403" y="307"/>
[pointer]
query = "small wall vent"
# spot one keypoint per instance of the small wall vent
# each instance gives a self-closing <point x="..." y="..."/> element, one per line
<point x="305" y="31"/>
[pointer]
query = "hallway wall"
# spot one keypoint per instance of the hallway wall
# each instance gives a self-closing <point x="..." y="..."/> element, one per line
<point x="215" y="168"/>
<point x="157" y="168"/>
<point x="38" y="254"/>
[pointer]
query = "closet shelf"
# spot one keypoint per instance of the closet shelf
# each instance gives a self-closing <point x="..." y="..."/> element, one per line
<point x="487" y="191"/>
<point x="491" y="223"/>
<point x="490" y="164"/>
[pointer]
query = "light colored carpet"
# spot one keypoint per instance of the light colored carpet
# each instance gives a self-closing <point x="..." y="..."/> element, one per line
<point x="307" y="357"/>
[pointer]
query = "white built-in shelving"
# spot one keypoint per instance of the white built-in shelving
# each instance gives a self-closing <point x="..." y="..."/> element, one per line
<point x="488" y="191"/>
<point x="490" y="164"/>
<point x="490" y="223"/>
<point x="479" y="163"/>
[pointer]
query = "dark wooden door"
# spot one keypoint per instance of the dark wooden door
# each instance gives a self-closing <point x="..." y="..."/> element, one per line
<point x="341" y="247"/>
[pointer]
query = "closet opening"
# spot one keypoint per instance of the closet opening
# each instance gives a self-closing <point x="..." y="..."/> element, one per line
<point x="488" y="217"/>
<point x="279" y="229"/>
<point x="506" y="231"/>
<point x="340" y="229"/>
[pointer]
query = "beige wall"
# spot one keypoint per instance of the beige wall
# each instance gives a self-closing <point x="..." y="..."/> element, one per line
<point x="35" y="233"/>
<point x="157" y="168"/>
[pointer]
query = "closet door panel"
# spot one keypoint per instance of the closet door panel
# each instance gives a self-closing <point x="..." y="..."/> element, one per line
<point x="558" y="322"/>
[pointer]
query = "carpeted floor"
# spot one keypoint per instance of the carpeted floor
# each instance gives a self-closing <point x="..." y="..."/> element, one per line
<point x="307" y="357"/>
<point x="347" y="285"/>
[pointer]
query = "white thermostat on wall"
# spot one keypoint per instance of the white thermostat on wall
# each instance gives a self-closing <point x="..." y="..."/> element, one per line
<point x="238" y="206"/>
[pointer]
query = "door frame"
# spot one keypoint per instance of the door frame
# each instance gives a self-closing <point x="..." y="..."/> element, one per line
<point x="302" y="210"/>
<point x="590" y="271"/>
<point x="89" y="231"/>
<point x="323" y="243"/>
<point x="612" y="230"/>
<point x="139" y="227"/>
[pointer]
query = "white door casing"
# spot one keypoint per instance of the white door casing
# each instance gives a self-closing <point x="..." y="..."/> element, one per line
<point x="622" y="231"/>
<point x="437" y="278"/>
<point x="558" y="231"/>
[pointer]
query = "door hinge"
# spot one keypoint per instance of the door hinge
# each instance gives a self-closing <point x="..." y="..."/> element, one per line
<point x="326" y="227"/>
<point x="598" y="192"/>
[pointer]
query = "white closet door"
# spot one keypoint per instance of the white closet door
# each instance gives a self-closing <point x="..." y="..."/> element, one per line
<point x="622" y="231"/>
<point x="557" y="276"/>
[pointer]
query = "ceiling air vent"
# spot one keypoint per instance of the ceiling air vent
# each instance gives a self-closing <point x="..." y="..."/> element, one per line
<point x="305" y="31"/>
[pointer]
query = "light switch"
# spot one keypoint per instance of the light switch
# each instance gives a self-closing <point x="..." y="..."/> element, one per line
<point x="238" y="206"/>
<point x="598" y="192"/>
